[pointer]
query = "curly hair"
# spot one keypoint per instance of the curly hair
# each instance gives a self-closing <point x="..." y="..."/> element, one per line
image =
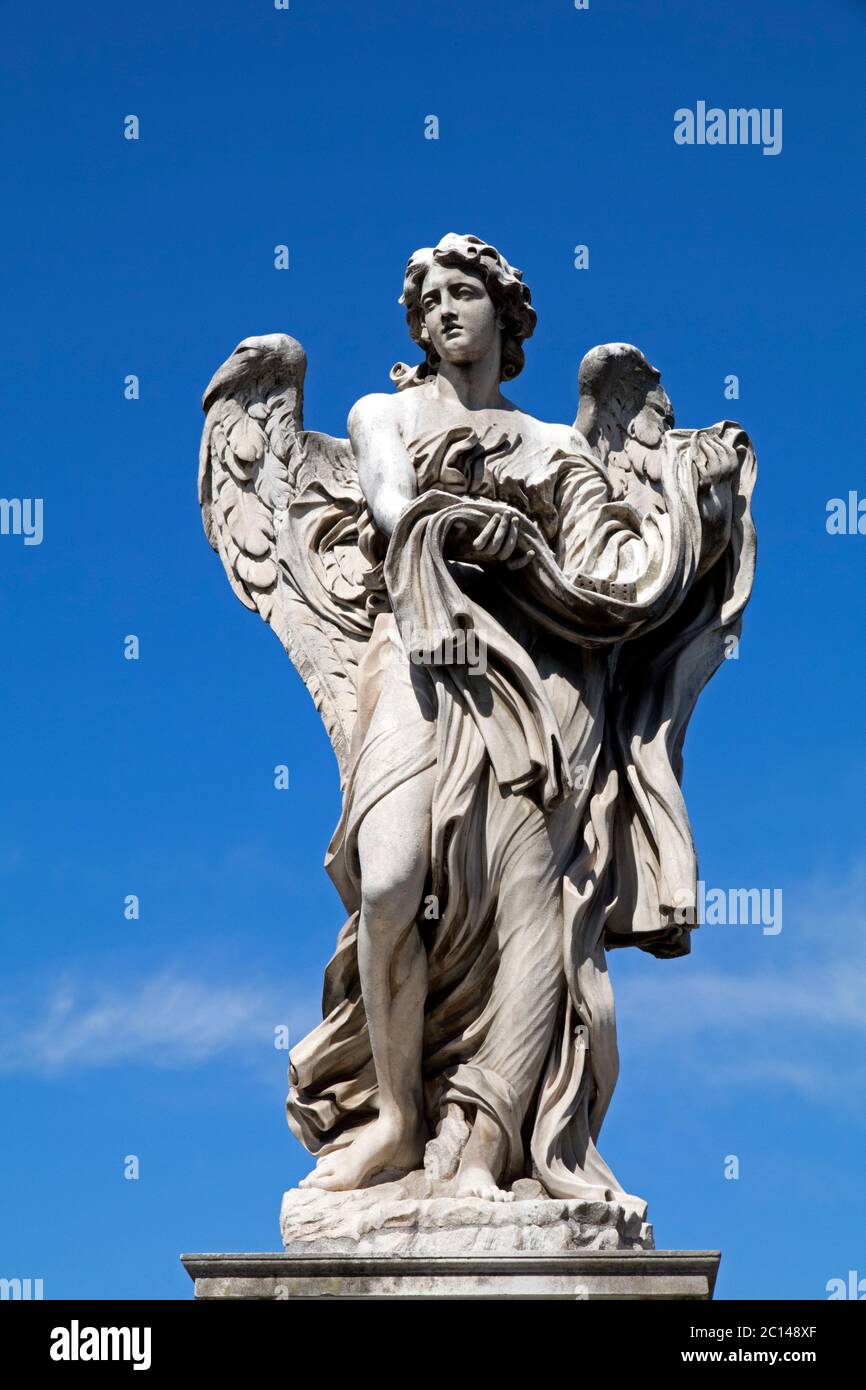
<point x="503" y="282"/>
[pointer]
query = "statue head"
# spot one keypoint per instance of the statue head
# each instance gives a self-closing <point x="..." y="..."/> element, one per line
<point x="461" y="297"/>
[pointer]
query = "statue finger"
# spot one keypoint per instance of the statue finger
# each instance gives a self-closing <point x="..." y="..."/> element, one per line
<point x="511" y="540"/>
<point x="483" y="537"/>
<point x="502" y="527"/>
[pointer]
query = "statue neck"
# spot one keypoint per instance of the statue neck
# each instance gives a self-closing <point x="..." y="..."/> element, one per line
<point x="475" y="385"/>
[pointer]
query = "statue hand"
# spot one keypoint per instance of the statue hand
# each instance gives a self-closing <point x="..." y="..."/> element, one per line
<point x="499" y="539"/>
<point x="716" y="461"/>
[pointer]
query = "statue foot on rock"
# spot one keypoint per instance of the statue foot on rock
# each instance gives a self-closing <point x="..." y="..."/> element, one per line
<point x="385" y="1146"/>
<point x="481" y="1160"/>
<point x="478" y="1181"/>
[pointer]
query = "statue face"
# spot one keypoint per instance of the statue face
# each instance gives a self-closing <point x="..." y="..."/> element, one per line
<point x="458" y="314"/>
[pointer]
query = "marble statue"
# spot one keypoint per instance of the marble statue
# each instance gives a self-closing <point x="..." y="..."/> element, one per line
<point x="505" y="625"/>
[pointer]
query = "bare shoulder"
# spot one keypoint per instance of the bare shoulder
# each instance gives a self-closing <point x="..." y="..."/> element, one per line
<point x="565" y="437"/>
<point x="392" y="412"/>
<point x="376" y="409"/>
<point x="548" y="432"/>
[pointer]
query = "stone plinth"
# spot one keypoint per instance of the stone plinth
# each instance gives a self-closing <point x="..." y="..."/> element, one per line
<point x="582" y="1275"/>
<point x="413" y="1238"/>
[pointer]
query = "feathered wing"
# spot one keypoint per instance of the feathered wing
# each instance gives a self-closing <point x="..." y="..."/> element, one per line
<point x="633" y="880"/>
<point x="282" y="507"/>
<point x="628" y="421"/>
<point x="624" y="415"/>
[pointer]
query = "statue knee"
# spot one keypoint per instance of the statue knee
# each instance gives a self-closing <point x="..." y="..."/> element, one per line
<point x="388" y="902"/>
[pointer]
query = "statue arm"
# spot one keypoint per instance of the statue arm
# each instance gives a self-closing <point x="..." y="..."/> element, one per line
<point x="385" y="470"/>
<point x="389" y="481"/>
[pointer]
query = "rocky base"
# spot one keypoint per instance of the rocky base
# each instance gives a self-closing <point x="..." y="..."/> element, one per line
<point x="419" y="1216"/>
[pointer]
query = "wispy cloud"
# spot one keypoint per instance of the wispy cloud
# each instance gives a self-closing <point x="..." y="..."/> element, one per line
<point x="809" y="994"/>
<point x="796" y="1018"/>
<point x="167" y="1020"/>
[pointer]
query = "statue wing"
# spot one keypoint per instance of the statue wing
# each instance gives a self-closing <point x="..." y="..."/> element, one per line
<point x="624" y="415"/>
<point x="627" y="420"/>
<point x="282" y="507"/>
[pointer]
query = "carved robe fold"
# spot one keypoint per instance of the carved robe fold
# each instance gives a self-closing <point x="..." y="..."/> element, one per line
<point x="562" y="748"/>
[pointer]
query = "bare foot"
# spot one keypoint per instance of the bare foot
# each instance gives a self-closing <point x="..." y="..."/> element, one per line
<point x="482" y="1162"/>
<point x="477" y="1181"/>
<point x="385" y="1144"/>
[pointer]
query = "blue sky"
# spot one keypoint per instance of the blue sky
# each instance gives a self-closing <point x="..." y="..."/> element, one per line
<point x="155" y="257"/>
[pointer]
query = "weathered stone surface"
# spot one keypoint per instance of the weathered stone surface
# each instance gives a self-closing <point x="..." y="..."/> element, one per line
<point x="587" y="1275"/>
<point x="420" y="1217"/>
<point x="505" y="623"/>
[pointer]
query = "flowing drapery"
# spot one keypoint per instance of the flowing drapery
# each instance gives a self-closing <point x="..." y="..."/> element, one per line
<point x="568" y="742"/>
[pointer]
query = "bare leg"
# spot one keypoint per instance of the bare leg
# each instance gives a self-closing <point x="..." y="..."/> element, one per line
<point x="394" y="853"/>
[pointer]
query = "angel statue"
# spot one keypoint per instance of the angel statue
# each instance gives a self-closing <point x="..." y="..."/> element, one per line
<point x="505" y="625"/>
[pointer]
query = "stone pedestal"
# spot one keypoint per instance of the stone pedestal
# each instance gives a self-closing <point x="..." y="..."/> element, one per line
<point x="413" y="1238"/>
<point x="582" y="1275"/>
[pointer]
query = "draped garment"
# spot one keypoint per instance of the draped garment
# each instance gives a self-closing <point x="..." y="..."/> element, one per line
<point x="558" y="824"/>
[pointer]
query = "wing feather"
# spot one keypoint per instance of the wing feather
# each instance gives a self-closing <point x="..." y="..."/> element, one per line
<point x="282" y="508"/>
